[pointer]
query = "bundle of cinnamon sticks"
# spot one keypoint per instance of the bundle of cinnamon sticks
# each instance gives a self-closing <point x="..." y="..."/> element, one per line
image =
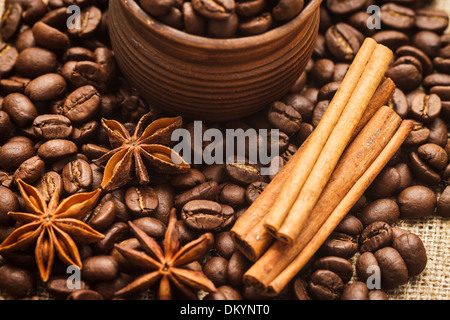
<point x="308" y="198"/>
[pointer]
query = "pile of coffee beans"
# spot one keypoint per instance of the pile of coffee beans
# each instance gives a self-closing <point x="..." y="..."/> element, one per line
<point x="56" y="85"/>
<point x="223" y="18"/>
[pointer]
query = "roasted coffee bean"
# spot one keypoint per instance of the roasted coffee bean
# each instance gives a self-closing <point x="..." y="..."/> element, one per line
<point x="78" y="54"/>
<point x="350" y="225"/>
<point x="8" y="203"/>
<point x="256" y="25"/>
<point x="173" y="18"/>
<point x="30" y="170"/>
<point x="397" y="17"/>
<point x="165" y="195"/>
<point x="87" y="131"/>
<point x="342" y="267"/>
<point x="442" y="91"/>
<point x="20" y="109"/>
<point x="8" y="58"/>
<point x="325" y="285"/>
<point x="339" y="244"/>
<point x="237" y="266"/>
<point x="416" y="202"/>
<point x="358" y="20"/>
<point x="14" y="84"/>
<point x="377" y="294"/>
<point x="90" y="19"/>
<point x="425" y="108"/>
<point x="216" y="270"/>
<point x="375" y="236"/>
<point x="206" y="215"/>
<point x="6" y="126"/>
<point x="433" y="20"/>
<point x="49" y="37"/>
<point x="425" y="61"/>
<point x="77" y="176"/>
<point x="442" y="65"/>
<point x="58" y="288"/>
<point x="100" y="267"/>
<point x="11" y="21"/>
<point x="385" y="184"/>
<point x="248" y="8"/>
<point x="253" y="190"/>
<point x="116" y="233"/>
<point x="25" y="40"/>
<point x="436" y="79"/>
<point x="16" y="281"/>
<point x="224" y="244"/>
<point x="301" y="103"/>
<point x="443" y="204"/>
<point x="15" y="151"/>
<point x="242" y="173"/>
<point x="328" y="91"/>
<point x="433" y="155"/>
<point x="224" y="293"/>
<point x="151" y="226"/>
<point x="207" y="190"/>
<point x="85" y="294"/>
<point x="392" y="39"/>
<point x="83" y="73"/>
<point x="342" y="42"/>
<point x="56" y="18"/>
<point x="141" y="200"/>
<point x="59" y="165"/>
<point x="406" y="176"/>
<point x="82" y="104"/>
<point x="366" y="266"/>
<point x="103" y="216"/>
<point x="300" y="289"/>
<point x="394" y="271"/>
<point x="52" y="126"/>
<point x="320" y="47"/>
<point x="429" y="42"/>
<point x="57" y="149"/>
<point x="33" y="10"/>
<point x="418" y="136"/>
<point x="356" y="291"/>
<point x="194" y="23"/>
<point x="322" y="72"/>
<point x="406" y="76"/>
<point x="157" y="8"/>
<point x="50" y="183"/>
<point x="343" y="8"/>
<point x="422" y="171"/>
<point x="188" y="180"/>
<point x="399" y="103"/>
<point x="108" y="288"/>
<point x="413" y="252"/>
<point x="47" y="87"/>
<point x="215" y="9"/>
<point x="35" y="61"/>
<point x="319" y="110"/>
<point x="287" y="9"/>
<point x="231" y="194"/>
<point x="438" y="132"/>
<point x="385" y="210"/>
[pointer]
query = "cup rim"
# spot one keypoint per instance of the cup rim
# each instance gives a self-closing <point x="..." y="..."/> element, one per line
<point x="185" y="38"/>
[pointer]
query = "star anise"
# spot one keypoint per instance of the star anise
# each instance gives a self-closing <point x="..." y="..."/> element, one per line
<point x="167" y="266"/>
<point x="146" y="147"/>
<point x="52" y="227"/>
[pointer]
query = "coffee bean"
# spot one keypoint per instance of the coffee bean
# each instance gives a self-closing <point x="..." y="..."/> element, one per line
<point x="350" y="225"/>
<point x="339" y="244"/>
<point x="434" y="155"/>
<point x="443" y="204"/>
<point x="116" y="233"/>
<point x="242" y="173"/>
<point x="237" y="266"/>
<point x="83" y="73"/>
<point x="52" y="126"/>
<point x="10" y="21"/>
<point x="50" y="183"/>
<point x="8" y="203"/>
<point x="342" y="42"/>
<point x="345" y="7"/>
<point x="16" y="281"/>
<point x="8" y="58"/>
<point x="253" y="190"/>
<point x="397" y="17"/>
<point x="49" y="37"/>
<point x="231" y="194"/>
<point x="57" y="149"/>
<point x="366" y="266"/>
<point x="392" y="39"/>
<point x="416" y="202"/>
<point x="90" y="19"/>
<point x="438" y="132"/>
<point x="206" y="215"/>
<point x="56" y="18"/>
<point x="256" y="25"/>
<point x="216" y="270"/>
<point x="375" y="236"/>
<point x="429" y="42"/>
<point x="385" y="184"/>
<point x="319" y="111"/>
<point x="325" y="285"/>
<point x="377" y="294"/>
<point x="77" y="176"/>
<point x="6" y="126"/>
<point x="82" y="104"/>
<point x="399" y="103"/>
<point x="248" y="8"/>
<point x="33" y="11"/>
<point x="358" y="20"/>
<point x="433" y="20"/>
<point x="103" y="216"/>
<point x="58" y="288"/>
<point x="20" y="109"/>
<point x="141" y="200"/>
<point x="422" y="170"/>
<point x="300" y="289"/>
<point x="342" y="267"/>
<point x="224" y="293"/>
<point x="30" y="170"/>
<point x="287" y="9"/>
<point x="322" y="72"/>
<point x="47" y="87"/>
<point x="406" y="76"/>
<point x="100" y="267"/>
<point x="413" y="252"/>
<point x="25" y="40"/>
<point x="215" y="9"/>
<point x="356" y="291"/>
<point x="418" y="135"/>
<point x="425" y="108"/>
<point x="207" y="190"/>
<point x="436" y="79"/>
<point x="425" y="61"/>
<point x="188" y="180"/>
<point x="224" y="244"/>
<point x="33" y="62"/>
<point x="14" y="152"/>
<point x="85" y="294"/>
<point x="385" y="210"/>
<point x="394" y="271"/>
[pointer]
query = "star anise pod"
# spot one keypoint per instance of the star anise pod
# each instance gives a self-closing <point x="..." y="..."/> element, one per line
<point x="146" y="147"/>
<point x="52" y="227"/>
<point x="167" y="266"/>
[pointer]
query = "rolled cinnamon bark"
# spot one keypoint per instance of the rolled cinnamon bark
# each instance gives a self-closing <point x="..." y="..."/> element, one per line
<point x="338" y="140"/>
<point x="283" y="203"/>
<point x="277" y="284"/>
<point x="363" y="151"/>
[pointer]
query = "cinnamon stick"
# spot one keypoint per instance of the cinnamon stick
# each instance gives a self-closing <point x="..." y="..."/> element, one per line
<point x="329" y="156"/>
<point x="282" y="204"/>
<point x="277" y="284"/>
<point x="364" y="150"/>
